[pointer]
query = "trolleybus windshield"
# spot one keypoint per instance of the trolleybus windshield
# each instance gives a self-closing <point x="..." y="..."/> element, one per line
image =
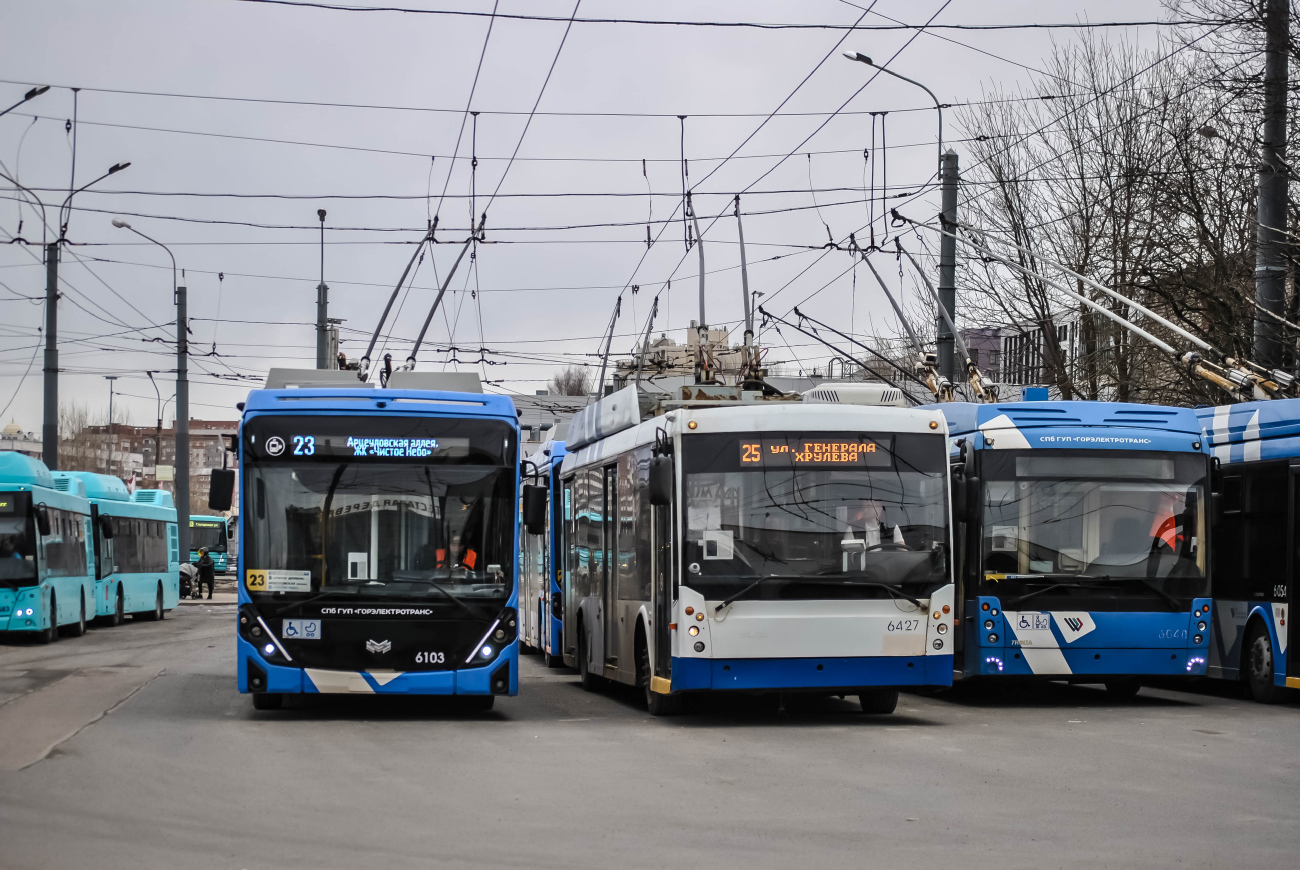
<point x="17" y="540"/>
<point x="405" y="507"/>
<point x="815" y="515"/>
<point x="1094" y="524"/>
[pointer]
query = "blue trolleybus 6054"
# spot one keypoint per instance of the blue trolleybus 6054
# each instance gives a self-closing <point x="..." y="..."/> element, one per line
<point x="1083" y="547"/>
<point x="542" y="610"/>
<point x="1256" y="543"/>
<point x="46" y="582"/>
<point x="757" y="546"/>
<point x="210" y="533"/>
<point x="136" y="564"/>
<point x="378" y="543"/>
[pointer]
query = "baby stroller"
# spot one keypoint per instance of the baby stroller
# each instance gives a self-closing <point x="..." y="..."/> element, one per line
<point x="190" y="587"/>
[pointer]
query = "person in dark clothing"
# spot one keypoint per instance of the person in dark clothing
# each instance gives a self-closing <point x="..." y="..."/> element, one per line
<point x="207" y="572"/>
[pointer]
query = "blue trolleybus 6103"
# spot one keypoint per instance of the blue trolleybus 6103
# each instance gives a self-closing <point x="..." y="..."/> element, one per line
<point x="757" y="546"/>
<point x="542" y="610"/>
<point x="46" y="582"/>
<point x="210" y="533"/>
<point x="1083" y="542"/>
<point x="1256" y="446"/>
<point x="136" y="564"/>
<point x="378" y="543"/>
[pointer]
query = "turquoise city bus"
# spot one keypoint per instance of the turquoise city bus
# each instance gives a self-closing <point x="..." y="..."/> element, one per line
<point x="136" y="556"/>
<point x="210" y="533"/>
<point x="46" y="584"/>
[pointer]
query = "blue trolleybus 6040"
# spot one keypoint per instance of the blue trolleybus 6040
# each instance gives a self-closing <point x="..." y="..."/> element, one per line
<point x="136" y="564"/>
<point x="1083" y="546"/>
<point x="378" y="543"/>
<point x="1256" y="543"/>
<point x="757" y="546"/>
<point x="210" y="533"/>
<point x="542" y="610"/>
<point x="46" y="582"/>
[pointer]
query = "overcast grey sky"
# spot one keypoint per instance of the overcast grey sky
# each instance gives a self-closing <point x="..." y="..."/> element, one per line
<point x="545" y="297"/>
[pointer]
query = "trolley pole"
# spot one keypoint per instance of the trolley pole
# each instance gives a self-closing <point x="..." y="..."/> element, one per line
<point x="948" y="265"/>
<point x="50" y="425"/>
<point x="1270" y="260"/>
<point x="322" y="306"/>
<point x="182" y="429"/>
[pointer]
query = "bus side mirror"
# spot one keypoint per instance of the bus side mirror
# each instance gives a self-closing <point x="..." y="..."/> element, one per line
<point x="960" y="511"/>
<point x="106" y="528"/>
<point x="974" y="498"/>
<point x="535" y="509"/>
<point x="42" y="520"/>
<point x="221" y="489"/>
<point x="661" y="481"/>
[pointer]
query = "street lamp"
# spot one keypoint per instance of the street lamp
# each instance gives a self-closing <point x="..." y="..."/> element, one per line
<point x="30" y="95"/>
<point x="862" y="58"/>
<point x="67" y="203"/>
<point x="182" y="483"/>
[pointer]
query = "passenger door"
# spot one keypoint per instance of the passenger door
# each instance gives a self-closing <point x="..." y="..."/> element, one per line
<point x="1292" y="598"/>
<point x="608" y="565"/>
<point x="662" y="593"/>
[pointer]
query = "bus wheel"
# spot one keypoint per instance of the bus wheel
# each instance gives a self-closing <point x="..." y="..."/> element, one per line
<point x="878" y="700"/>
<point x="119" y="609"/>
<point x="590" y="682"/>
<point x="1123" y="689"/>
<point x="267" y="700"/>
<point x="78" y="628"/>
<point x="158" y="612"/>
<point x="51" y="634"/>
<point x="1259" y="666"/>
<point x="655" y="703"/>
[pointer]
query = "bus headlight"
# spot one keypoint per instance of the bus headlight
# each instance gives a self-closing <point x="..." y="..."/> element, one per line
<point x="693" y="630"/>
<point x="699" y="646"/>
<point x="938" y="644"/>
<point x="988" y="625"/>
<point x="1200" y="626"/>
<point x="943" y="628"/>
<point x="993" y="638"/>
<point x="1197" y="639"/>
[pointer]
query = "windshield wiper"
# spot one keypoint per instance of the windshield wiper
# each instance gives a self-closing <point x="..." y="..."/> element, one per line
<point x="823" y="578"/>
<point x="317" y="597"/>
<point x="473" y="611"/>
<point x="1073" y="581"/>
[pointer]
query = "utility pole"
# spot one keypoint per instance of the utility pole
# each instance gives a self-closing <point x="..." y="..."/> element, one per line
<point x="1270" y="261"/>
<point x="50" y="426"/>
<point x="948" y="265"/>
<point x="323" y="360"/>
<point x="112" y="442"/>
<point x="182" y="429"/>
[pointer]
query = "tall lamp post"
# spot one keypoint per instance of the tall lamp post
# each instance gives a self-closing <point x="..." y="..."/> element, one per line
<point x="948" y="177"/>
<point x="112" y="442"/>
<point x="182" y="403"/>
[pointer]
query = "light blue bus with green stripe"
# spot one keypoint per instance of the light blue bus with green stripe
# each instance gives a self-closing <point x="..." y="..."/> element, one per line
<point x="46" y="582"/>
<point x="212" y="534"/>
<point x="136" y="551"/>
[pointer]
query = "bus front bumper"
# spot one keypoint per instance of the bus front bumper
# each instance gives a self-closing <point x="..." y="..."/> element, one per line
<point x="810" y="674"/>
<point x="499" y="677"/>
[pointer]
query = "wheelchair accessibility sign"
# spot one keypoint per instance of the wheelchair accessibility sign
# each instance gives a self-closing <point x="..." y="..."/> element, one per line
<point x="301" y="629"/>
<point x="1030" y="621"/>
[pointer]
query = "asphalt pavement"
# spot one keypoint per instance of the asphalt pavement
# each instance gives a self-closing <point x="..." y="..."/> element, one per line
<point x="131" y="748"/>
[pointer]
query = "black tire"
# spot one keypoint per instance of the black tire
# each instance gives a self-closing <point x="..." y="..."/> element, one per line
<point x="1258" y="666"/>
<point x="878" y="701"/>
<point x="158" y="611"/>
<point x="1124" y="689"/>
<point x="51" y="634"/>
<point x="78" y="628"/>
<point x="477" y="703"/>
<point x="119" y="610"/>
<point x="267" y="700"/>
<point x="655" y="703"/>
<point x="590" y="682"/>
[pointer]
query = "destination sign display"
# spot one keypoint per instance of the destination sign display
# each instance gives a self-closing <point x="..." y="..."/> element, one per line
<point x="404" y="439"/>
<point x="839" y="452"/>
<point x="366" y="447"/>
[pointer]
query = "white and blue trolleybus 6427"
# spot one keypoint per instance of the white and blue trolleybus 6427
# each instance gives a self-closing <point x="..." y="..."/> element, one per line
<point x="46" y="582"/>
<point x="756" y="545"/>
<point x="136" y="561"/>
<point x="1256" y="554"/>
<point x="378" y="543"/>
<point x="1083" y="546"/>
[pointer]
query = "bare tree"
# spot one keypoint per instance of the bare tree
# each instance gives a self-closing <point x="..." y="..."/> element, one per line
<point x="572" y="381"/>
